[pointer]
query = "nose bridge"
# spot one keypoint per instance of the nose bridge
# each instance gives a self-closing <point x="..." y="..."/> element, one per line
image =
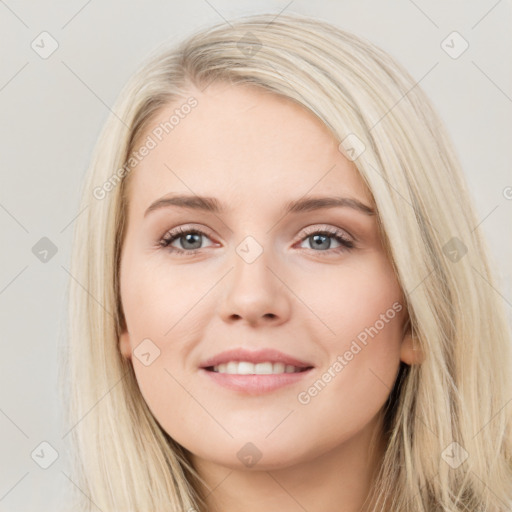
<point x="252" y="261"/>
<point x="254" y="291"/>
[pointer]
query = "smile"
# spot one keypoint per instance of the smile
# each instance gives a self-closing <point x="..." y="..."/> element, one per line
<point x="248" y="368"/>
<point x="250" y="382"/>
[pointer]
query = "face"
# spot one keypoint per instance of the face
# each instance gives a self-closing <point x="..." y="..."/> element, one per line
<point x="313" y="283"/>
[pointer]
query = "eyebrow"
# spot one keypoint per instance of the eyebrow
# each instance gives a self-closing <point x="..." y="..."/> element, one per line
<point x="307" y="204"/>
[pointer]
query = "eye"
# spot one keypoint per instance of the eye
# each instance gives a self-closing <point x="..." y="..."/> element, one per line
<point x="190" y="240"/>
<point x="320" y="239"/>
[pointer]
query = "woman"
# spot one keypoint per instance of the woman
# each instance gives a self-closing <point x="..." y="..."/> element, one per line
<point x="264" y="367"/>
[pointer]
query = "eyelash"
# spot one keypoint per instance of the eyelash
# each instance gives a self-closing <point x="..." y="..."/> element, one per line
<point x="171" y="236"/>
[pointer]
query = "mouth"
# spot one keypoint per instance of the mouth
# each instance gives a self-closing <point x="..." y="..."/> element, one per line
<point x="252" y="372"/>
<point x="249" y="368"/>
<point x="246" y="378"/>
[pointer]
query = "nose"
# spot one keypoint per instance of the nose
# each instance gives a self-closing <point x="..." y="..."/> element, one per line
<point x="255" y="294"/>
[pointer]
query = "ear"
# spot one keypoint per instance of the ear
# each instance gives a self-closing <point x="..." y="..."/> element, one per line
<point x="125" y="345"/>
<point x="410" y="351"/>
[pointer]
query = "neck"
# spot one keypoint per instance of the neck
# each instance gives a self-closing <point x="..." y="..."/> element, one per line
<point x="338" y="480"/>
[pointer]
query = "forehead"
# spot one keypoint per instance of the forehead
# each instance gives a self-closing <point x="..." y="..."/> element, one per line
<point x="241" y="141"/>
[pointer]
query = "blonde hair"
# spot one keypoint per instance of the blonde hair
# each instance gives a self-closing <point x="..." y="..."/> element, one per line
<point x="123" y="459"/>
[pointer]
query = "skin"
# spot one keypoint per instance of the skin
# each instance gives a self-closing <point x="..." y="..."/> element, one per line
<point x="255" y="151"/>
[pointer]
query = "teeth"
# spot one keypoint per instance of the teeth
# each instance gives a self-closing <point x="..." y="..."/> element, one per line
<point x="246" y="368"/>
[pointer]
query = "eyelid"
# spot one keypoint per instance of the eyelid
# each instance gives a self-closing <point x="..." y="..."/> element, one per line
<point x="186" y="228"/>
<point x="189" y="227"/>
<point x="314" y="228"/>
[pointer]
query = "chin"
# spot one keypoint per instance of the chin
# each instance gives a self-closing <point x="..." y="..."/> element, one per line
<point x="258" y="455"/>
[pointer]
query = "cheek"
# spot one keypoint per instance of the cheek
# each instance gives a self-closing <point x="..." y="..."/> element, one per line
<point x="354" y="297"/>
<point x="162" y="312"/>
<point x="363" y="310"/>
<point x="156" y="296"/>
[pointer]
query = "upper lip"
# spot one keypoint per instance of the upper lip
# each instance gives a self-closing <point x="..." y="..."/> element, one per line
<point x="254" y="356"/>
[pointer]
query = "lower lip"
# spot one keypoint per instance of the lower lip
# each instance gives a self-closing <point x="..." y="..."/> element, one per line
<point x="255" y="384"/>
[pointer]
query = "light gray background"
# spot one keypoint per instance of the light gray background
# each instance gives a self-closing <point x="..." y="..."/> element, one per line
<point x="52" y="111"/>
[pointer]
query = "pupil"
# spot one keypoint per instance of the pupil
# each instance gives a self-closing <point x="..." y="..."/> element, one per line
<point x="189" y="238"/>
<point x="326" y="241"/>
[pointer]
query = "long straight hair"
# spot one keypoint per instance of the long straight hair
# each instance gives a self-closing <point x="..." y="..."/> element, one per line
<point x="451" y="407"/>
